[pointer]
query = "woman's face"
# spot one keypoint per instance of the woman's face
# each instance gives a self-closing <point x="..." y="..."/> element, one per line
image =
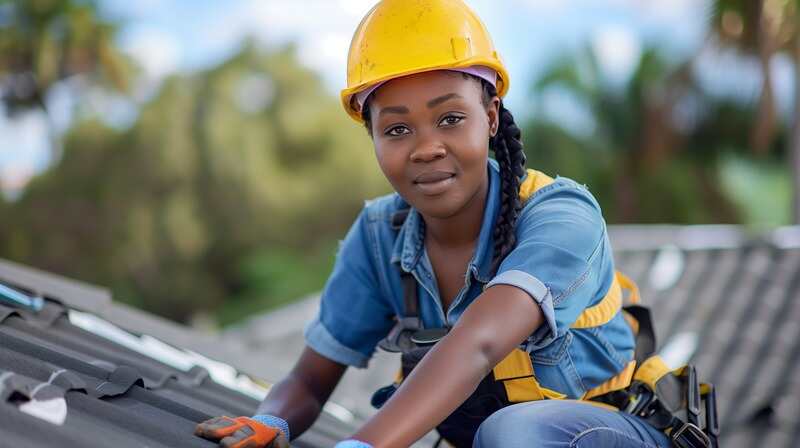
<point x="431" y="134"/>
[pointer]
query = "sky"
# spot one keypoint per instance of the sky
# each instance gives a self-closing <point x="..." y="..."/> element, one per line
<point x="169" y="36"/>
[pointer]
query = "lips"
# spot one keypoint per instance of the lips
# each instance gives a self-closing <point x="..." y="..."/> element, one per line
<point x="432" y="177"/>
<point x="434" y="183"/>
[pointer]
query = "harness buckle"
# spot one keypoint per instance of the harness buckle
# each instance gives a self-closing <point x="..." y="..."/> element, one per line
<point x="399" y="338"/>
<point x="690" y="436"/>
<point x="640" y="400"/>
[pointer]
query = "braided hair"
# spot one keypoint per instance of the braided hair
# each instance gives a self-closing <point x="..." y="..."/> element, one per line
<point x="510" y="156"/>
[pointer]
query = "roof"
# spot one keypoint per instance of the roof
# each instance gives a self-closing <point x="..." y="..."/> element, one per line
<point x="724" y="299"/>
<point x="71" y="377"/>
<point x="728" y="302"/>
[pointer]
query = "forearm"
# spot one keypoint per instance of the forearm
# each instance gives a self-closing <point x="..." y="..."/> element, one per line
<point x="425" y="398"/>
<point x="299" y="397"/>
<point x="292" y="401"/>
<point x="498" y="320"/>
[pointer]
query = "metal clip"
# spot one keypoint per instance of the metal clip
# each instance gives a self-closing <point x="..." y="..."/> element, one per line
<point x="399" y="338"/>
<point x="690" y="436"/>
<point x="639" y="403"/>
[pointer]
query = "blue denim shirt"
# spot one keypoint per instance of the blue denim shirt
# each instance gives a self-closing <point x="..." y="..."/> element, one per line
<point x="562" y="259"/>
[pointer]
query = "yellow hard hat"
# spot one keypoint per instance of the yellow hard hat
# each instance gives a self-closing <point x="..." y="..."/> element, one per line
<point x="403" y="37"/>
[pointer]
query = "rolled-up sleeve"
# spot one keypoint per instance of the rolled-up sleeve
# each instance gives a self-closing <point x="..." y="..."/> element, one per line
<point x="560" y="236"/>
<point x="353" y="315"/>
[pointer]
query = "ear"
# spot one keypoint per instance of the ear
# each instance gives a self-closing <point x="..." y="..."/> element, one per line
<point x="493" y="115"/>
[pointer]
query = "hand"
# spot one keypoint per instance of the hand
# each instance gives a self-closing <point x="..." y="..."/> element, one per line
<point x="240" y="432"/>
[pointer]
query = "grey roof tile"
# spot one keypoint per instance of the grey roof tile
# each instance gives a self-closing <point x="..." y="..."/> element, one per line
<point x="736" y="296"/>
<point x="112" y="395"/>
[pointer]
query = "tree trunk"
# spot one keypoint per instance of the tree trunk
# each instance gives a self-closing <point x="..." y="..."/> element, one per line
<point x="794" y="149"/>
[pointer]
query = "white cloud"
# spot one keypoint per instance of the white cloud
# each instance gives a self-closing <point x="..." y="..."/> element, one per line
<point x="667" y="11"/>
<point x="156" y="50"/>
<point x="357" y="8"/>
<point x="618" y="50"/>
<point x="549" y="7"/>
<point x="322" y="30"/>
<point x="24" y="150"/>
<point x="328" y="56"/>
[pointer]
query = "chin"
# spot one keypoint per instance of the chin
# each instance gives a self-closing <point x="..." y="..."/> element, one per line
<point x="441" y="207"/>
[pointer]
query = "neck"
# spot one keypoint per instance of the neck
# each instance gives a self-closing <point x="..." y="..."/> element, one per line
<point x="461" y="229"/>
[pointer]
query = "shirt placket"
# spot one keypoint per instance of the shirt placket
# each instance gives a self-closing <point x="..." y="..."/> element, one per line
<point x="452" y="316"/>
<point x="423" y="272"/>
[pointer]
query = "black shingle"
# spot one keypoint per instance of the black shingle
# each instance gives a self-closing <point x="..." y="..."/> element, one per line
<point x="112" y="395"/>
<point x="739" y="299"/>
<point x="732" y="301"/>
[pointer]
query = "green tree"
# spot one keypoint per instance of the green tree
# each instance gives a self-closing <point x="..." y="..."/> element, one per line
<point x="643" y="164"/>
<point x="45" y="41"/>
<point x="764" y="28"/>
<point x="226" y="173"/>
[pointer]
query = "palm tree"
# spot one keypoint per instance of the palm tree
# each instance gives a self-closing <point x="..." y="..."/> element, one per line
<point x="636" y="140"/>
<point x="765" y="28"/>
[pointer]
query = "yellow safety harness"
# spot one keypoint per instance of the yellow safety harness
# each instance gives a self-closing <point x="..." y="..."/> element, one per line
<point x="668" y="399"/>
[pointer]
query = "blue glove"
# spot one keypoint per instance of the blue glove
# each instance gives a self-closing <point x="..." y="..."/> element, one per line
<point x="275" y="422"/>
<point x="352" y="443"/>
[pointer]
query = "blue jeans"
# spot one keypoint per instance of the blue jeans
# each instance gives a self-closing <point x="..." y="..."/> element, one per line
<point x="555" y="423"/>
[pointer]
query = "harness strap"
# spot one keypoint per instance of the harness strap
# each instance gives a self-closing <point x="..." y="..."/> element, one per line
<point x="603" y="312"/>
<point x="410" y="300"/>
<point x="516" y="373"/>
<point x="618" y="382"/>
<point x="516" y="370"/>
<point x="662" y="397"/>
<point x="643" y="330"/>
<point x="645" y="387"/>
<point x="534" y="181"/>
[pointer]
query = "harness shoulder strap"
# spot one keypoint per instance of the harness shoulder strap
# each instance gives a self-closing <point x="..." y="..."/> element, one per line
<point x="410" y="300"/>
<point x="534" y="182"/>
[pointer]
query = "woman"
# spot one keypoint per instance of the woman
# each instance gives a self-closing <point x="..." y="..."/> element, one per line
<point x="501" y="260"/>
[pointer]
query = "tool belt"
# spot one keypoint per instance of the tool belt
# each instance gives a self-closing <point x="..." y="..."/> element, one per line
<point x="672" y="401"/>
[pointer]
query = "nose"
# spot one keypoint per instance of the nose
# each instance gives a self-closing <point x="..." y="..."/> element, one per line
<point x="428" y="150"/>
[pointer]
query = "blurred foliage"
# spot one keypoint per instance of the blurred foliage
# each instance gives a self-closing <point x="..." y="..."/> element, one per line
<point x="654" y="153"/>
<point x="764" y="197"/>
<point x="229" y="192"/>
<point x="763" y="29"/>
<point x="185" y="210"/>
<point x="45" y="41"/>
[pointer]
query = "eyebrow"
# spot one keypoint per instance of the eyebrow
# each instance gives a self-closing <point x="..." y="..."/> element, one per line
<point x="437" y="101"/>
<point x="431" y="104"/>
<point x="393" y="110"/>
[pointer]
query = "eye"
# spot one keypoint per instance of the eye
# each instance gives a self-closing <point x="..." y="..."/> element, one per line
<point x="396" y="131"/>
<point x="451" y="120"/>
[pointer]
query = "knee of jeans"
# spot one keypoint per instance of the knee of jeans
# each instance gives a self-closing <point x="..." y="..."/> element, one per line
<point x="509" y="427"/>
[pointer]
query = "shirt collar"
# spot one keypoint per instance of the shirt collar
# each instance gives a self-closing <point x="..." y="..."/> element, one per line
<point x="409" y="245"/>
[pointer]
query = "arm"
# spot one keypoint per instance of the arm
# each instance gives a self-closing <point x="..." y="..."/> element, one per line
<point x="299" y="397"/>
<point x="499" y="319"/>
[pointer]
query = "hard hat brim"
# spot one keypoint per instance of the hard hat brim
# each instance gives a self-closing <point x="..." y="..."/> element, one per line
<point x="352" y="108"/>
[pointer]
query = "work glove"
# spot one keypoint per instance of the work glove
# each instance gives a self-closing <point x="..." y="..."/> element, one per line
<point x="260" y="431"/>
<point x="352" y="443"/>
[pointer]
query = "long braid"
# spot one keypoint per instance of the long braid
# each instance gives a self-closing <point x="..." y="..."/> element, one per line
<point x="510" y="156"/>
